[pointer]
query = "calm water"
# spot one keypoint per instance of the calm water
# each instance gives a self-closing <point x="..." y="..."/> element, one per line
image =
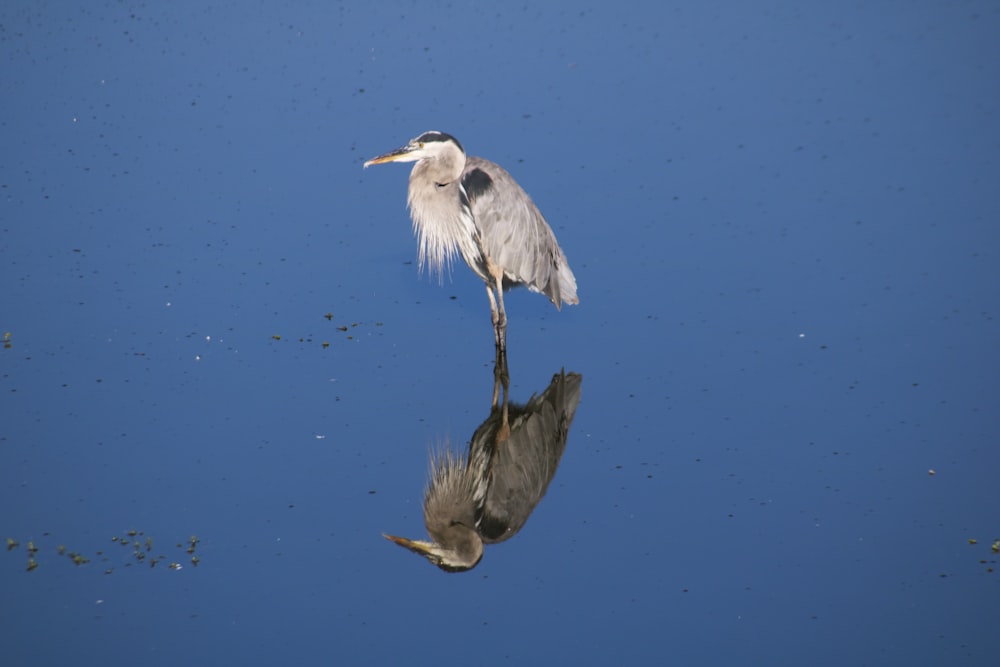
<point x="782" y="218"/>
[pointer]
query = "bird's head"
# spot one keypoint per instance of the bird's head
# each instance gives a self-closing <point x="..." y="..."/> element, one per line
<point x="428" y="146"/>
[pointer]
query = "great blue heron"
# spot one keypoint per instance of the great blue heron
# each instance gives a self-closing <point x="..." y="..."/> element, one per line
<point x="474" y="206"/>
<point x="487" y="497"/>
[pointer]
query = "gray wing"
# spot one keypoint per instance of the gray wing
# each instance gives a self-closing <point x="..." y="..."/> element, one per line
<point x="522" y="466"/>
<point x="514" y="233"/>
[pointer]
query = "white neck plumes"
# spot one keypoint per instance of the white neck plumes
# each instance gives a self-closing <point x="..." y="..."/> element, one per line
<point x="441" y="227"/>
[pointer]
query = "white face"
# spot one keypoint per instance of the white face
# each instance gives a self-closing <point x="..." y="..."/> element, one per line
<point x="419" y="148"/>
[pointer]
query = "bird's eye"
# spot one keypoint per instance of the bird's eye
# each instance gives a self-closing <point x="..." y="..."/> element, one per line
<point x="421" y="144"/>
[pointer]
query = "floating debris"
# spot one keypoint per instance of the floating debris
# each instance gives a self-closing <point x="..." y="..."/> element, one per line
<point x="994" y="547"/>
<point x="142" y="551"/>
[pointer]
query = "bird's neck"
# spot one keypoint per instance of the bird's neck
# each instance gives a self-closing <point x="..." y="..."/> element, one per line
<point x="441" y="170"/>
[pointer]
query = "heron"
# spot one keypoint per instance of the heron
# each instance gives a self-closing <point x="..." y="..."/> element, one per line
<point x="473" y="207"/>
<point x="487" y="497"/>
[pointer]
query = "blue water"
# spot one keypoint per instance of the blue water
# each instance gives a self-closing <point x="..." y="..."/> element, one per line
<point x="782" y="219"/>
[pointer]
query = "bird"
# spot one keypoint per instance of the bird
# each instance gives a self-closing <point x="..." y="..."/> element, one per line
<point x="487" y="497"/>
<point x="472" y="207"/>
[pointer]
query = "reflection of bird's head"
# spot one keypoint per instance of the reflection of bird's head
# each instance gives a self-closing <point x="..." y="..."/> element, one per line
<point x="428" y="146"/>
<point x="452" y="505"/>
<point x="449" y="560"/>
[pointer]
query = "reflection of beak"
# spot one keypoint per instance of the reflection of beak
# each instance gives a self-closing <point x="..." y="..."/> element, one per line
<point x="428" y="550"/>
<point x="416" y="546"/>
<point x="447" y="560"/>
<point x="391" y="156"/>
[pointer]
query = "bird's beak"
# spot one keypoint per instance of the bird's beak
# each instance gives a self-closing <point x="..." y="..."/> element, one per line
<point x="392" y="156"/>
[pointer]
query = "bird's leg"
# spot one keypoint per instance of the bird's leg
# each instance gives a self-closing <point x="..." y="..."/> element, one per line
<point x="494" y="281"/>
<point x="501" y="324"/>
<point x="494" y="314"/>
<point x="498" y="317"/>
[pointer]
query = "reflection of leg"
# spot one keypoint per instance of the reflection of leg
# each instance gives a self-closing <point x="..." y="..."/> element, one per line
<point x="502" y="378"/>
<point x="496" y="381"/>
<point x="504" y="432"/>
<point x="500" y="368"/>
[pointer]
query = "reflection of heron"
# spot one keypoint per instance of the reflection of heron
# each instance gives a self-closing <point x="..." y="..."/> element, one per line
<point x="473" y="205"/>
<point x="488" y="497"/>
